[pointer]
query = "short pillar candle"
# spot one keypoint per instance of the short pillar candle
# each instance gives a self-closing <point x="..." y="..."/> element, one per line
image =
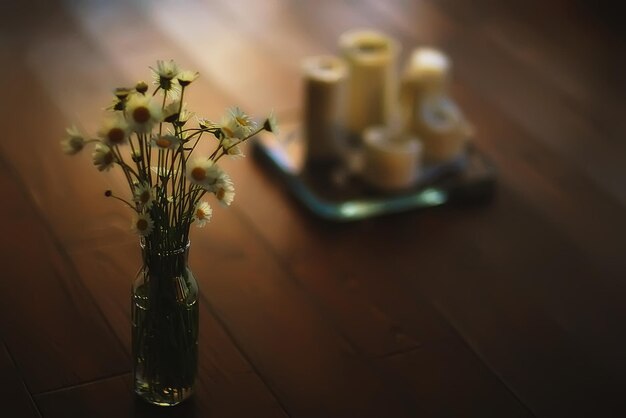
<point x="391" y="162"/>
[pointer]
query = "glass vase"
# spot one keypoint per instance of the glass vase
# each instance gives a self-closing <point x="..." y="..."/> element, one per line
<point x="165" y="327"/>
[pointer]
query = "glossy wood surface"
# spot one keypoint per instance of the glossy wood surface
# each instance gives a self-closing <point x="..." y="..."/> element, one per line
<point x="514" y="308"/>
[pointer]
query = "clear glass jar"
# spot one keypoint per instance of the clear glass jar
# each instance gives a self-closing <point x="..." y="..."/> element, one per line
<point x="165" y="327"/>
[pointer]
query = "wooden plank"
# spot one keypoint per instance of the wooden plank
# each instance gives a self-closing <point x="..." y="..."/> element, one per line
<point x="47" y="318"/>
<point x="15" y="399"/>
<point x="447" y="380"/>
<point x="114" y="398"/>
<point x="396" y="297"/>
<point x="586" y="73"/>
<point x="517" y="301"/>
<point x="372" y="311"/>
<point x="554" y="187"/>
<point x="521" y="309"/>
<point x="298" y="351"/>
<point x="106" y="398"/>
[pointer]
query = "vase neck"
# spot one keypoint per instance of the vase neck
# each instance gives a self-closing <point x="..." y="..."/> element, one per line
<point x="163" y="260"/>
<point x="163" y="251"/>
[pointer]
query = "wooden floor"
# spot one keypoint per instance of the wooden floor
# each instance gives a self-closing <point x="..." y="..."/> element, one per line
<point x="515" y="308"/>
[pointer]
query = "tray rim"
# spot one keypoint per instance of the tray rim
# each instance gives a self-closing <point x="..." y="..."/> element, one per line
<point x="354" y="209"/>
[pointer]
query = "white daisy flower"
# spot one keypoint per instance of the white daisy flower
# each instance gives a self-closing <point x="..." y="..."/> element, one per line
<point x="203" y="172"/>
<point x="166" y="141"/>
<point x="114" y="130"/>
<point x="121" y="92"/>
<point x="163" y="171"/>
<point x="103" y="157"/>
<point x="237" y="124"/>
<point x="73" y="142"/>
<point x="141" y="87"/>
<point x="241" y="118"/>
<point x="142" y="112"/>
<point x="232" y="148"/>
<point x="205" y="123"/>
<point x="144" y="195"/>
<point x="186" y="77"/>
<point x="142" y="224"/>
<point x="185" y="115"/>
<point x="224" y="189"/>
<point x="136" y="155"/>
<point x="230" y="129"/>
<point x="271" y="124"/>
<point x="173" y="113"/>
<point x="166" y="69"/>
<point x="164" y="77"/>
<point x="202" y="214"/>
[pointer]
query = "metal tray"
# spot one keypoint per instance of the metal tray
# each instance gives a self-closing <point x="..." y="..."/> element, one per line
<point x="331" y="192"/>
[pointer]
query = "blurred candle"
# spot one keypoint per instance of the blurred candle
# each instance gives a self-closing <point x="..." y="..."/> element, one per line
<point x="371" y="58"/>
<point x="442" y="128"/>
<point x="427" y="70"/>
<point x="427" y="73"/>
<point x="391" y="162"/>
<point x="324" y="106"/>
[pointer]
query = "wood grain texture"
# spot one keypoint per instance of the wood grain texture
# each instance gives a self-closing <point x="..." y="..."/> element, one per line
<point x="14" y="396"/>
<point x="47" y="318"/>
<point x="310" y="366"/>
<point x="513" y="308"/>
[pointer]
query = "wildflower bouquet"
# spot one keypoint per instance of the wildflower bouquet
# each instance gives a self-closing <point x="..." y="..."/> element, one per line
<point x="149" y="137"/>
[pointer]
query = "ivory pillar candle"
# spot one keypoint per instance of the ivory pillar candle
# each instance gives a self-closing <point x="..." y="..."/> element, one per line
<point x="324" y="106"/>
<point x="442" y="128"/>
<point x="427" y="73"/>
<point x="391" y="163"/>
<point x="371" y="58"/>
<point x="428" y="70"/>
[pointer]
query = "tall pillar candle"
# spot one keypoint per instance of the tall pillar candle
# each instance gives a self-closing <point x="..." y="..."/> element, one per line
<point x="324" y="106"/>
<point x="427" y="73"/>
<point x="371" y="58"/>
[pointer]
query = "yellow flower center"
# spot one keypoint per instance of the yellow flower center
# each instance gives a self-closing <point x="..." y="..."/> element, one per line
<point x="116" y="135"/>
<point x="228" y="132"/>
<point x="141" y="114"/>
<point x="107" y="158"/>
<point x="145" y="196"/>
<point x="163" y="142"/>
<point x="200" y="214"/>
<point x="241" y="121"/>
<point x="220" y="193"/>
<point x="198" y="174"/>
<point x="142" y="225"/>
<point x="76" y="143"/>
